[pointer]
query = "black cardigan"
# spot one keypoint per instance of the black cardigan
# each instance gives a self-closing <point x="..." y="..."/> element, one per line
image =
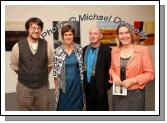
<point x="100" y="81"/>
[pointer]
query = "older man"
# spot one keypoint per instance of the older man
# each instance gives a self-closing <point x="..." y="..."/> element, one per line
<point x="97" y="60"/>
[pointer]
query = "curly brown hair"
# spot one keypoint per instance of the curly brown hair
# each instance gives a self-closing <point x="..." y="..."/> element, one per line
<point x="67" y="28"/>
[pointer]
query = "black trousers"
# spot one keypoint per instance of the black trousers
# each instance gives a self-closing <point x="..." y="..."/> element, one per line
<point x="94" y="102"/>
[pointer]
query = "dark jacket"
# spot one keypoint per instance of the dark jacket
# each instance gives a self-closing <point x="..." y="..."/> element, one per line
<point x="99" y="82"/>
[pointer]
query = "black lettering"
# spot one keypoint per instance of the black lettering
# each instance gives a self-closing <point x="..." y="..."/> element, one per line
<point x="54" y="29"/>
<point x="82" y="18"/>
<point x="110" y="18"/>
<point x="49" y="31"/>
<point x="91" y="17"/>
<point x="43" y="35"/>
<point x="117" y="20"/>
<point x="95" y="17"/>
<point x="105" y="18"/>
<point x="100" y="18"/>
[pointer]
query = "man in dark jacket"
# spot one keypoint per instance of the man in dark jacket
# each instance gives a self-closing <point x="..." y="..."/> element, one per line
<point x="97" y="60"/>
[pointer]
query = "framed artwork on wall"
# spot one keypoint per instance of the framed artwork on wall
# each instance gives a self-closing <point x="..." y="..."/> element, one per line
<point x="108" y="30"/>
<point x="11" y="37"/>
<point x="145" y="31"/>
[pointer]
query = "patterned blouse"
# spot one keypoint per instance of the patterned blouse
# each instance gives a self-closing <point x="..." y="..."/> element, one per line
<point x="59" y="64"/>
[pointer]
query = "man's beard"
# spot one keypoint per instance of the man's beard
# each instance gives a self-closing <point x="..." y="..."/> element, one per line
<point x="32" y="37"/>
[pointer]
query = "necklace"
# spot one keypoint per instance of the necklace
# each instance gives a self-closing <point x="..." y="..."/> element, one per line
<point x="123" y="58"/>
<point x="68" y="49"/>
<point x="127" y="53"/>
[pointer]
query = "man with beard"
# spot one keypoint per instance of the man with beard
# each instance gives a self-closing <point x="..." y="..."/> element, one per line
<point x="31" y="59"/>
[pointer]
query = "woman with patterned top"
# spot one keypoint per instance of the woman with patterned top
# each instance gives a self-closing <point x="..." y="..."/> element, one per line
<point x="68" y="75"/>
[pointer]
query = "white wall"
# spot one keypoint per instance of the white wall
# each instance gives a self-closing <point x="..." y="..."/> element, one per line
<point x="19" y="14"/>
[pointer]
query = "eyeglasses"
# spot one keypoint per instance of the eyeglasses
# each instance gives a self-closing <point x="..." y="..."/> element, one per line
<point x="35" y="28"/>
<point x="122" y="33"/>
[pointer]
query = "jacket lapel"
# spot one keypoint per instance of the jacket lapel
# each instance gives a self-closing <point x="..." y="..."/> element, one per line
<point x="134" y="56"/>
<point x="117" y="53"/>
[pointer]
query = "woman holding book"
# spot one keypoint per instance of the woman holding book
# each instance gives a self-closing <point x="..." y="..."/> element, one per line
<point x="132" y="68"/>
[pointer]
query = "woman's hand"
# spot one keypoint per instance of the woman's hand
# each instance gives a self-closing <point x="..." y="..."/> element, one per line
<point x="128" y="82"/>
<point x="116" y="80"/>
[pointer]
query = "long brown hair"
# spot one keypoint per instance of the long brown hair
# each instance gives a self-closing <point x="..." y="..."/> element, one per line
<point x="134" y="38"/>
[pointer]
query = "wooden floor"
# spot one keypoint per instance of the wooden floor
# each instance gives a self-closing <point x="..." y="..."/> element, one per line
<point x="11" y="104"/>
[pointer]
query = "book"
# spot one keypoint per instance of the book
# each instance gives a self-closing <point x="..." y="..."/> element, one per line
<point x="119" y="90"/>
